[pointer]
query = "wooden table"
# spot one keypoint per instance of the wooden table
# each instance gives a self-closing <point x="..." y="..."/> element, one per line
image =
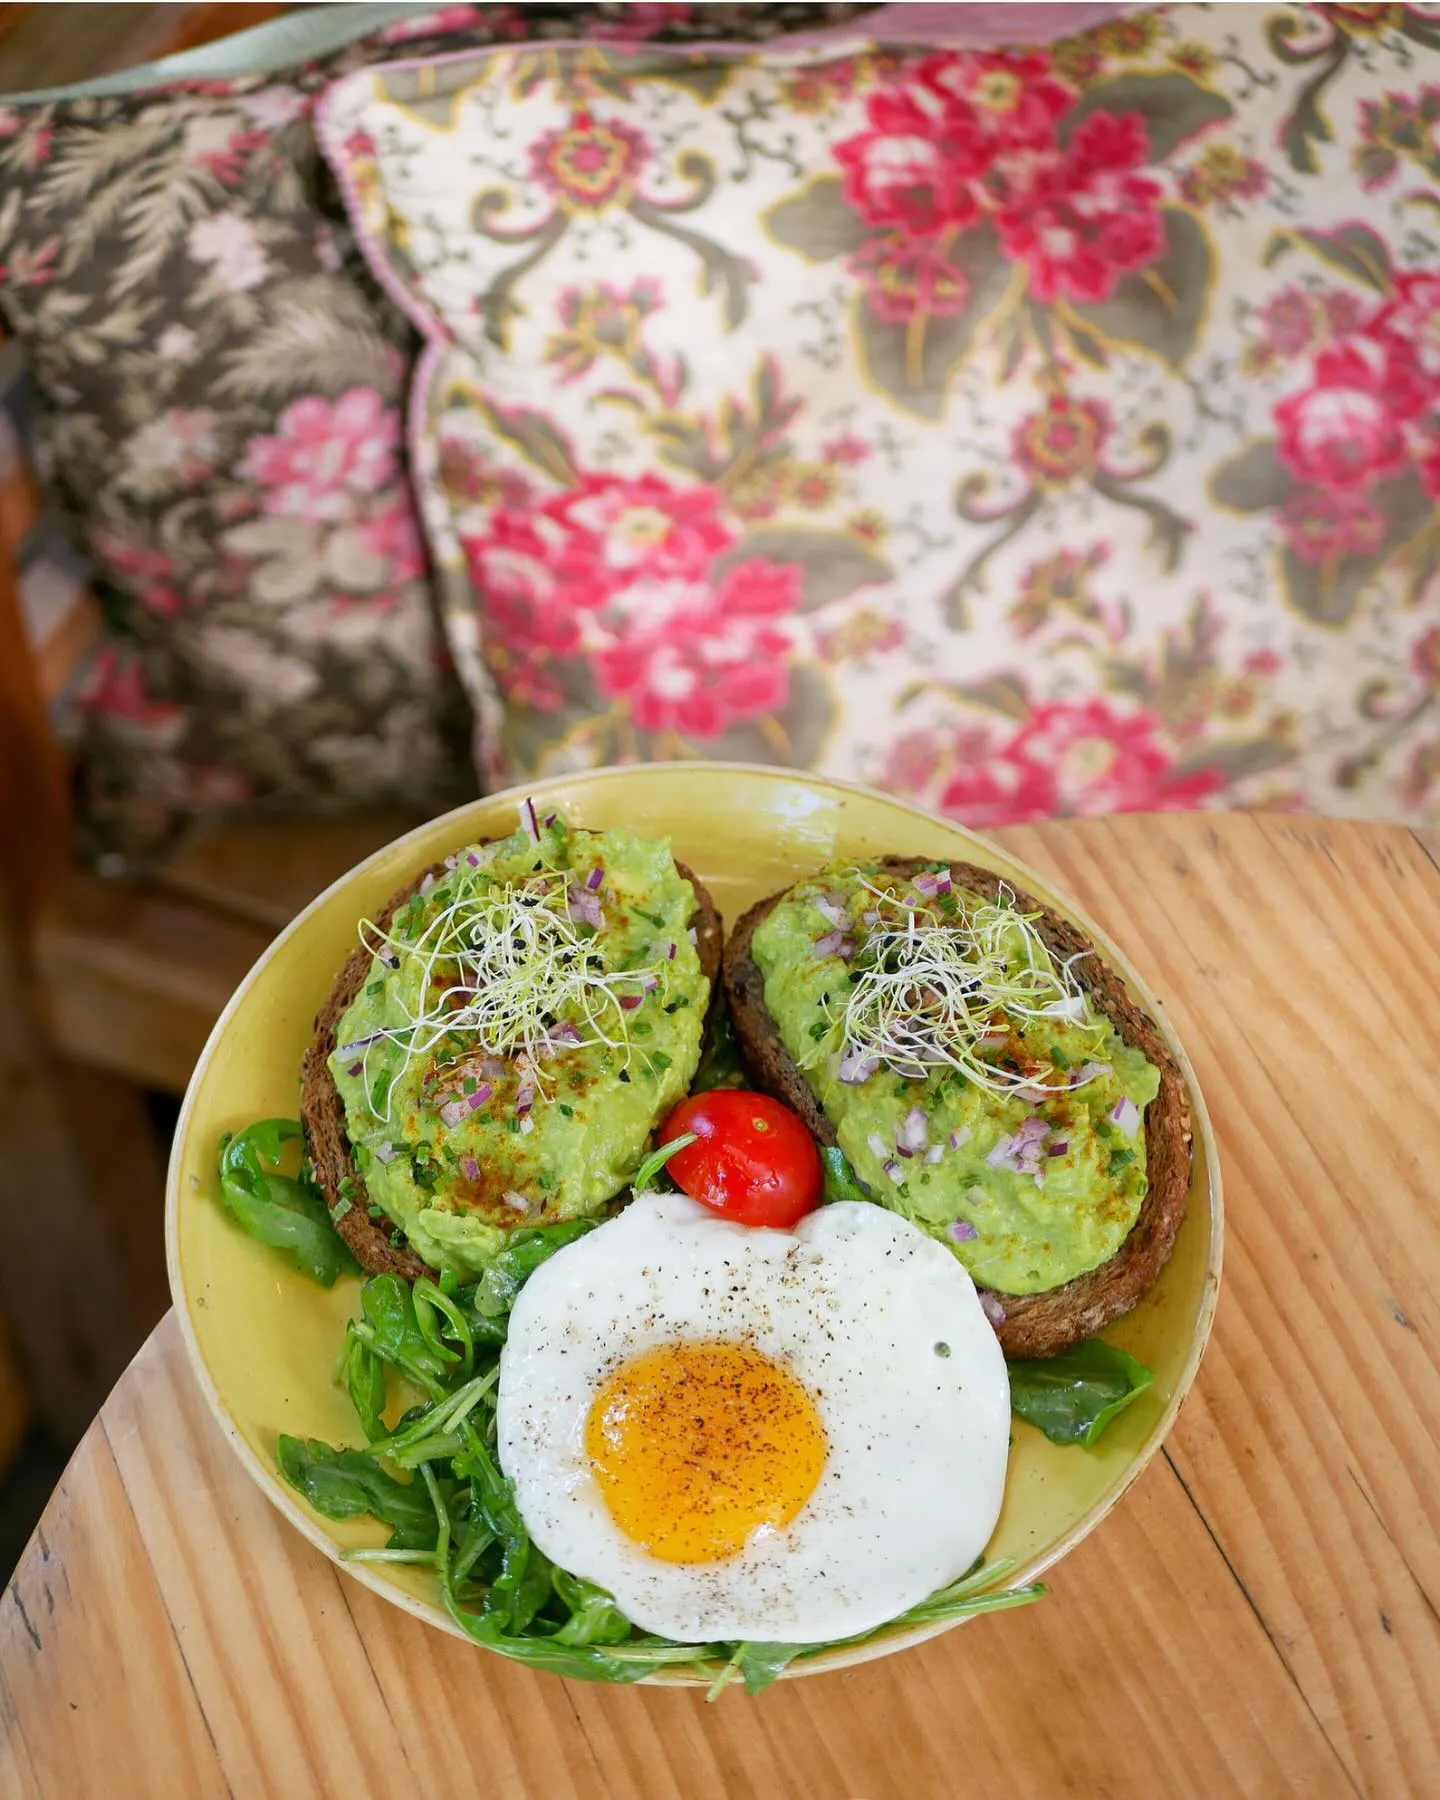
<point x="1259" y="1616"/>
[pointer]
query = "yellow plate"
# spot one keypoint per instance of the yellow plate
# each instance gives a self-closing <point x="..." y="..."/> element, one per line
<point x="263" y="1340"/>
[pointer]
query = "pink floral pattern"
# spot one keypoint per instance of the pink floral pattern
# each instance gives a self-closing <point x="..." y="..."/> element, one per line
<point x="1032" y="432"/>
<point x="217" y="392"/>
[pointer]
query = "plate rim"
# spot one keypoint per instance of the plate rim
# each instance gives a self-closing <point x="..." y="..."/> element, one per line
<point x="890" y="1639"/>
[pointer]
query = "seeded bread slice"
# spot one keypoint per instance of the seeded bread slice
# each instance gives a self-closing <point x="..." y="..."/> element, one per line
<point x="322" y="1113"/>
<point x="1035" y="1325"/>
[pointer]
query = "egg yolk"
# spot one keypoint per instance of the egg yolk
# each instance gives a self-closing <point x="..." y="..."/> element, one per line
<point x="695" y="1445"/>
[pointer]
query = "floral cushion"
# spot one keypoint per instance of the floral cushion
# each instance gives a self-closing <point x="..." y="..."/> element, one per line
<point x="217" y="411"/>
<point x="1054" y="431"/>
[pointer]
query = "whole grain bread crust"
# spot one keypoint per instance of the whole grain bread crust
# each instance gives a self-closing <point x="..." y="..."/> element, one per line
<point x="1035" y="1325"/>
<point x="322" y="1112"/>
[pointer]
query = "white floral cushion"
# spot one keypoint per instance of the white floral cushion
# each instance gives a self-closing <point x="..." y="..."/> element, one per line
<point x="1045" y="431"/>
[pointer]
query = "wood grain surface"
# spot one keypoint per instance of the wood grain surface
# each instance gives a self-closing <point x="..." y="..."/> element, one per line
<point x="1259" y="1616"/>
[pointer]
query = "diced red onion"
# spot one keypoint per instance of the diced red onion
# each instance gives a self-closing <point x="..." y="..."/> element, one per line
<point x="992" y="1040"/>
<point x="584" y="907"/>
<point x="832" y="910"/>
<point x="943" y="882"/>
<point x="469" y="1168"/>
<point x="550" y="819"/>
<point x="914" y="1132"/>
<point x="385" y="1153"/>
<point x="472" y="859"/>
<point x="1058" y="1149"/>
<point x="894" y="1171"/>
<point x="870" y="918"/>
<point x="527" y="1125"/>
<point x="529" y="823"/>
<point x="359" y="1043"/>
<point x="878" y="1146"/>
<point x="855" y="1066"/>
<point x="564" y="1035"/>
<point x="453" y="1112"/>
<point x="1032" y="1094"/>
<point x="515" y="1201"/>
<point x="961" y="1231"/>
<point x="1126" y="1115"/>
<point x="479" y="1097"/>
<point x="428" y="883"/>
<point x="355" y="1068"/>
<point x="1031" y="1131"/>
<point x="694" y="937"/>
<point x="992" y="1309"/>
<point x="670" y="952"/>
<point x="934" y="1153"/>
<point x="835" y="943"/>
<point x="649" y="981"/>
<point x="959" y="1138"/>
<point x="524" y="1097"/>
<point x="1087" y="1072"/>
<point x="595" y="877"/>
<point x="900" y="1150"/>
<point x="925" y="883"/>
<point x="629" y="1002"/>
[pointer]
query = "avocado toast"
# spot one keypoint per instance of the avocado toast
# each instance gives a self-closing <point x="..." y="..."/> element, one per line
<point x="498" y="1049"/>
<point x="984" y="1072"/>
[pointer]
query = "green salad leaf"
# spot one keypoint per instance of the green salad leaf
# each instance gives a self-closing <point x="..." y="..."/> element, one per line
<point x="347" y="1484"/>
<point x="1074" y="1396"/>
<point x="494" y="1294"/>
<point x="280" y="1210"/>
<point x="841" y="1181"/>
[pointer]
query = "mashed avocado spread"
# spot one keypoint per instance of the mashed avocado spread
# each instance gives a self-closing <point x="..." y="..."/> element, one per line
<point x="1029" y="1159"/>
<point x="525" y="1023"/>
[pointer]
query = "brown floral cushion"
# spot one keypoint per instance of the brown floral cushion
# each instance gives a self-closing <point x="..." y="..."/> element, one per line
<point x="1055" y="430"/>
<point x="217" y="412"/>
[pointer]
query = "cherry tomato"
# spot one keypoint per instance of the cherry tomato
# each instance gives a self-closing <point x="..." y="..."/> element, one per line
<point x="753" y="1161"/>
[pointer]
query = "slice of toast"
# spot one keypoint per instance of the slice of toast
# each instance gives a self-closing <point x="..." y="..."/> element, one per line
<point x="1035" y="1325"/>
<point x="322" y="1112"/>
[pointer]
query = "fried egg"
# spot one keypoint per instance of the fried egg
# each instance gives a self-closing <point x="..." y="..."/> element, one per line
<point x="786" y="1436"/>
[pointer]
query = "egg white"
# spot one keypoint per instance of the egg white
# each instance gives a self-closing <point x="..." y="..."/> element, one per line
<point x="856" y="1303"/>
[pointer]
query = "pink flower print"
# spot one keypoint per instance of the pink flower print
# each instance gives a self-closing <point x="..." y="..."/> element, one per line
<point x="114" y="685"/>
<point x="392" y="537"/>
<point x="1005" y="790"/>
<point x="997" y="103"/>
<point x="148" y="574"/>
<point x="272" y="109"/>
<point x="1410" y="324"/>
<point x="905" y="276"/>
<point x="717" y="658"/>
<point x="327" y="248"/>
<point x="176" y="343"/>
<point x="1103" y="761"/>
<point x="227" y="242"/>
<point x="1082" y="218"/>
<point x="180" y="442"/>
<point x="909" y="171"/>
<point x="644" y="527"/>
<point x="1344" y="430"/>
<point x="325" y="454"/>
<point x="1325" y="524"/>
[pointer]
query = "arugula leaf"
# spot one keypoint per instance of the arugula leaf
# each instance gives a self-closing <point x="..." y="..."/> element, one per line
<point x="278" y="1209"/>
<point x="657" y="1160"/>
<point x="430" y="1300"/>
<point x="495" y="1292"/>
<point x="760" y="1664"/>
<point x="523" y="1584"/>
<point x="594" y="1616"/>
<point x="721" y="1065"/>
<point x="391" y="1329"/>
<point x="365" y="1378"/>
<point x="1074" y="1396"/>
<point x="344" y="1484"/>
<point x="841" y="1181"/>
